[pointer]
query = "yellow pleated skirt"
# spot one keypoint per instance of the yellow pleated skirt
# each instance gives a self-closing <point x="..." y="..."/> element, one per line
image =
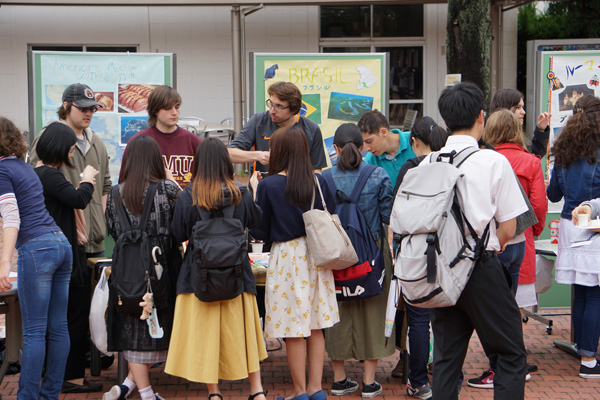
<point x="217" y="340"/>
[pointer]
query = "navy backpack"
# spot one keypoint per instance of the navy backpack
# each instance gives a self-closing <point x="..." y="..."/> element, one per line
<point x="365" y="278"/>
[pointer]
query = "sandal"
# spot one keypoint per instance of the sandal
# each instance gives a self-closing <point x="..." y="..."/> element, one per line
<point x="215" y="394"/>
<point x="252" y="396"/>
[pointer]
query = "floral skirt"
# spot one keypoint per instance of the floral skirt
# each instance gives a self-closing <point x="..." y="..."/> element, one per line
<point x="299" y="296"/>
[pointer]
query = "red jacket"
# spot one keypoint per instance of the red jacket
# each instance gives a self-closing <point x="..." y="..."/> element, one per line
<point x="529" y="171"/>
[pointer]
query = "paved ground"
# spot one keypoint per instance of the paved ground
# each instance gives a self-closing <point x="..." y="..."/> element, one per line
<point x="557" y="377"/>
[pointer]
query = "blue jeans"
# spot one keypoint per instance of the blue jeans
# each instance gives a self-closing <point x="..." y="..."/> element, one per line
<point x="586" y="319"/>
<point x="511" y="259"/>
<point x="44" y="270"/>
<point x="418" y="341"/>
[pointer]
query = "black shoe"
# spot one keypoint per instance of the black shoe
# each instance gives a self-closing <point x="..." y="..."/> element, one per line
<point x="340" y="388"/>
<point x="586" y="372"/>
<point x="86" y="387"/>
<point x="371" y="390"/>
<point x="117" y="392"/>
<point x="531" y="368"/>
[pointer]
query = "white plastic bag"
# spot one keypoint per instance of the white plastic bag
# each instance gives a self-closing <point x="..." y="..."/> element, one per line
<point x="98" y="331"/>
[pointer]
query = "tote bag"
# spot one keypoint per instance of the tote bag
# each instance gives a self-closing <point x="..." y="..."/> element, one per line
<point x="98" y="331"/>
<point x="328" y="244"/>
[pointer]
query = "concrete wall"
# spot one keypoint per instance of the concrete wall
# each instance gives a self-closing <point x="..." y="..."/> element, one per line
<point x="201" y="38"/>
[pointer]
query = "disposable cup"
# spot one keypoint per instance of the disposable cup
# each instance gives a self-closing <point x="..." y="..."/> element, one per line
<point x="257" y="247"/>
<point x="583" y="220"/>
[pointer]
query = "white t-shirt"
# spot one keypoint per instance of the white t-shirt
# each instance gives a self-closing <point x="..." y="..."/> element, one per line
<point x="488" y="190"/>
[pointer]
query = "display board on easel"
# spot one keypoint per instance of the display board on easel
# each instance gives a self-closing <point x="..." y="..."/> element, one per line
<point x="122" y="83"/>
<point x="336" y="87"/>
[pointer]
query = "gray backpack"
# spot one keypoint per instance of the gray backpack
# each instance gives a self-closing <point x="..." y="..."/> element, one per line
<point x="434" y="259"/>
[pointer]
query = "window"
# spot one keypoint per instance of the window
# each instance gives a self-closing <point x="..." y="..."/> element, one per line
<point x="395" y="29"/>
<point x="372" y="21"/>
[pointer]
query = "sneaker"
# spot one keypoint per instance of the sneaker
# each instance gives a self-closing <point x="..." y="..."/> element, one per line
<point x="485" y="381"/>
<point x="158" y="397"/>
<point x="422" y="392"/>
<point x="117" y="392"/>
<point x="590" y="373"/>
<point x="371" y="390"/>
<point x="532" y="368"/>
<point x="343" y="387"/>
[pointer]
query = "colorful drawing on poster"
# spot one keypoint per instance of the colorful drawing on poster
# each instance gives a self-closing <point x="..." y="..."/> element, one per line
<point x="348" y="107"/>
<point x="54" y="94"/>
<point x="133" y="98"/>
<point x="331" y="153"/>
<point x="366" y="77"/>
<point x="594" y="81"/>
<point x="571" y="94"/>
<point x="311" y="107"/>
<point x="271" y="71"/>
<point x="106" y="101"/>
<point x="555" y="82"/>
<point x="130" y="126"/>
<point x="556" y="132"/>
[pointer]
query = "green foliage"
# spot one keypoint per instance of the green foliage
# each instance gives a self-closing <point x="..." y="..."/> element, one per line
<point x="562" y="20"/>
<point x="469" y="40"/>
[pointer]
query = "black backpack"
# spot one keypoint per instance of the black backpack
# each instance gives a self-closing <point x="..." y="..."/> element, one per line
<point x="132" y="270"/>
<point x="219" y="248"/>
<point x="365" y="278"/>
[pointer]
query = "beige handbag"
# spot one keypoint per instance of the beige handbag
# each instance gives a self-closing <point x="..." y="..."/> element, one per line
<point x="328" y="243"/>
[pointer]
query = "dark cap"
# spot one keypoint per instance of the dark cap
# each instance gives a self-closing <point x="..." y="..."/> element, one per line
<point x="79" y="94"/>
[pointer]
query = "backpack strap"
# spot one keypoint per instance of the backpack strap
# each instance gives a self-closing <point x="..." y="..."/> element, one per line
<point x="361" y="182"/>
<point x="358" y="186"/>
<point x="146" y="207"/>
<point x="226" y="212"/>
<point x="329" y="178"/>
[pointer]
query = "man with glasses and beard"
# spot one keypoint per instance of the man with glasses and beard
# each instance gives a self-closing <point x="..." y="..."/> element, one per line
<point x="77" y="109"/>
<point x="284" y="103"/>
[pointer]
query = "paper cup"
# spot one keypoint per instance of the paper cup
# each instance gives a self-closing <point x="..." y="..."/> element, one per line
<point x="583" y="220"/>
<point x="257" y="247"/>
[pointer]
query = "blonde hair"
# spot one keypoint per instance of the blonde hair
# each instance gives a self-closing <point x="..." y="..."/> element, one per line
<point x="503" y="126"/>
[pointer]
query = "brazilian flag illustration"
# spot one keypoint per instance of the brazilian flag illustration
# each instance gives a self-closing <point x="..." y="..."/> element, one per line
<point x="311" y="107"/>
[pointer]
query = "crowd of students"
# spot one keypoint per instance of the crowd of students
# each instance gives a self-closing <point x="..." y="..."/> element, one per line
<point x="209" y="341"/>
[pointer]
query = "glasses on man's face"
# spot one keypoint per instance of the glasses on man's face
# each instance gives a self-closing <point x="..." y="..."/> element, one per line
<point x="277" y="107"/>
<point x="91" y="109"/>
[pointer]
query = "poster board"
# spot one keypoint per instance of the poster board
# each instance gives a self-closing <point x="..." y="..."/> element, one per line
<point x="121" y="83"/>
<point x="336" y="87"/>
<point x="565" y="77"/>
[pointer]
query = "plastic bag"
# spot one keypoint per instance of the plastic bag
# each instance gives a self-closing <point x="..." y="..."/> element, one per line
<point x="98" y="308"/>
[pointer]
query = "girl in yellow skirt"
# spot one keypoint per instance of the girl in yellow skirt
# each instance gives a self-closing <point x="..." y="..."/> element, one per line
<point x="221" y="339"/>
<point x="300" y="298"/>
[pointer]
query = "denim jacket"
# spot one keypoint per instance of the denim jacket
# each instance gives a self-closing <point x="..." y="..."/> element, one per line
<point x="578" y="182"/>
<point x="375" y="200"/>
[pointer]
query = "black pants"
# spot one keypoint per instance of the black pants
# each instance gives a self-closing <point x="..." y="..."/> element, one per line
<point x="488" y="306"/>
<point x="78" y="314"/>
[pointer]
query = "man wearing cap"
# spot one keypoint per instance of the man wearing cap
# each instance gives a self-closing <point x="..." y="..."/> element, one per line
<point x="285" y="101"/>
<point x="76" y="111"/>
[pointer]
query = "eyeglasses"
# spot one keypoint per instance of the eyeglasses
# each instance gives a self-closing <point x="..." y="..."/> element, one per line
<point x="91" y="109"/>
<point x="277" y="107"/>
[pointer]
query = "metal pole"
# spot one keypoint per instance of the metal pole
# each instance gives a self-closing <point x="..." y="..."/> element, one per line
<point x="237" y="69"/>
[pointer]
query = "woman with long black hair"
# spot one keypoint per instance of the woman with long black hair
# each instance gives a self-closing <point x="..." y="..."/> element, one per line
<point x="127" y="332"/>
<point x="299" y="297"/>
